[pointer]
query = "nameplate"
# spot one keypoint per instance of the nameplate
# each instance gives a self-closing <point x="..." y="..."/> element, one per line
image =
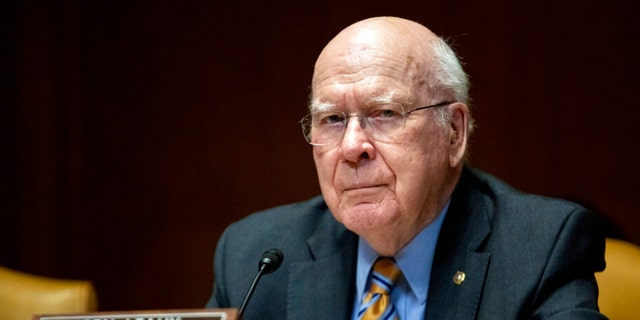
<point x="211" y="314"/>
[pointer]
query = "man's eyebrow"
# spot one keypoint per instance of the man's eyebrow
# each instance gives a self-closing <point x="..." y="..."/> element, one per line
<point x="321" y="106"/>
<point x="383" y="98"/>
<point x="390" y="97"/>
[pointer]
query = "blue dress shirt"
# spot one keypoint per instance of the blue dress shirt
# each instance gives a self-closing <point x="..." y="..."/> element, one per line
<point x="415" y="261"/>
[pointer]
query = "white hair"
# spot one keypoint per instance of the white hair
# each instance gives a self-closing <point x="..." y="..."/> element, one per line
<point x="449" y="75"/>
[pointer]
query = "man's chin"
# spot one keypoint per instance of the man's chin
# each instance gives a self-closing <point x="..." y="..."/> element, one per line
<point x="366" y="216"/>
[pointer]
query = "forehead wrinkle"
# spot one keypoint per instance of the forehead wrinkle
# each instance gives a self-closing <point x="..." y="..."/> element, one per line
<point x="387" y="79"/>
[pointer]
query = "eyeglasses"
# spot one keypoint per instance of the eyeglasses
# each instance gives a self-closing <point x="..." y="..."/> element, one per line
<point x="382" y="122"/>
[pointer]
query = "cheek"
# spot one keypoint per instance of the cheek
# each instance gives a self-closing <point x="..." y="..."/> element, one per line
<point x="325" y="167"/>
<point x="429" y="146"/>
<point x="417" y="164"/>
<point x="322" y="161"/>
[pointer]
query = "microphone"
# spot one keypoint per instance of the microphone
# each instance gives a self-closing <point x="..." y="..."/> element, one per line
<point x="270" y="261"/>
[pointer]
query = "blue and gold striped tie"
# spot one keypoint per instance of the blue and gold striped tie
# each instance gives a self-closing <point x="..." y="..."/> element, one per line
<point x="377" y="302"/>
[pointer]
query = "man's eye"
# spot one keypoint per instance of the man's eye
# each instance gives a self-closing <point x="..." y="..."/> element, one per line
<point x="385" y="113"/>
<point x="330" y="118"/>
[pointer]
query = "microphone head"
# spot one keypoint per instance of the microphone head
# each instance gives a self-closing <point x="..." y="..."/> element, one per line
<point x="270" y="260"/>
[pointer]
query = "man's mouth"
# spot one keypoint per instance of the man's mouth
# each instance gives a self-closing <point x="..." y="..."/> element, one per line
<point x="363" y="187"/>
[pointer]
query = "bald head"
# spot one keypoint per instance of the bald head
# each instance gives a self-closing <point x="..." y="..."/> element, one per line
<point x="403" y="49"/>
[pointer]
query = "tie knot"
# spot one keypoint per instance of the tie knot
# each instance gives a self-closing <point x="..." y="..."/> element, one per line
<point x="385" y="274"/>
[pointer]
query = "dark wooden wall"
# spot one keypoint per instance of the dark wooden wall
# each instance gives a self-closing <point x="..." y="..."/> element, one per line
<point x="133" y="132"/>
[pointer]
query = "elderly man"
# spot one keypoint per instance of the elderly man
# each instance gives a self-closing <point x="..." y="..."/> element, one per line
<point x="404" y="229"/>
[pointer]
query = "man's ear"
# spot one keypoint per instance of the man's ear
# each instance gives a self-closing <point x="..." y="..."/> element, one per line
<point x="458" y="131"/>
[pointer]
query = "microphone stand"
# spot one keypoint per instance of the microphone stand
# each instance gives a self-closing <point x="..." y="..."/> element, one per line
<point x="251" y="289"/>
<point x="269" y="262"/>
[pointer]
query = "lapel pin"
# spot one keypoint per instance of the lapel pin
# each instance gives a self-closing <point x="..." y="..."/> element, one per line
<point x="458" y="278"/>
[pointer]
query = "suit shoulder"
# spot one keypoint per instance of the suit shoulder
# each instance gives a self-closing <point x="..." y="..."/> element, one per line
<point x="506" y="197"/>
<point x="542" y="218"/>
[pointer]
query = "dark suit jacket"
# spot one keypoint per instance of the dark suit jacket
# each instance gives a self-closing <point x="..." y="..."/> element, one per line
<point x="524" y="257"/>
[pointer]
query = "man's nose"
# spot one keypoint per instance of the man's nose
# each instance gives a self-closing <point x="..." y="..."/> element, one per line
<point x="355" y="126"/>
<point x="356" y="142"/>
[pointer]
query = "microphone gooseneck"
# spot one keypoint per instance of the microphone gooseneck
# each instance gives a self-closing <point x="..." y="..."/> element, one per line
<point x="270" y="261"/>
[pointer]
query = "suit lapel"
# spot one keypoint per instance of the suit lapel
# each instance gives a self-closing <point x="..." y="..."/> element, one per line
<point x="322" y="286"/>
<point x="459" y="269"/>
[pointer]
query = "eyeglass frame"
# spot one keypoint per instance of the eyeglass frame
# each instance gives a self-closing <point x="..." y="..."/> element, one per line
<point x="404" y="116"/>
